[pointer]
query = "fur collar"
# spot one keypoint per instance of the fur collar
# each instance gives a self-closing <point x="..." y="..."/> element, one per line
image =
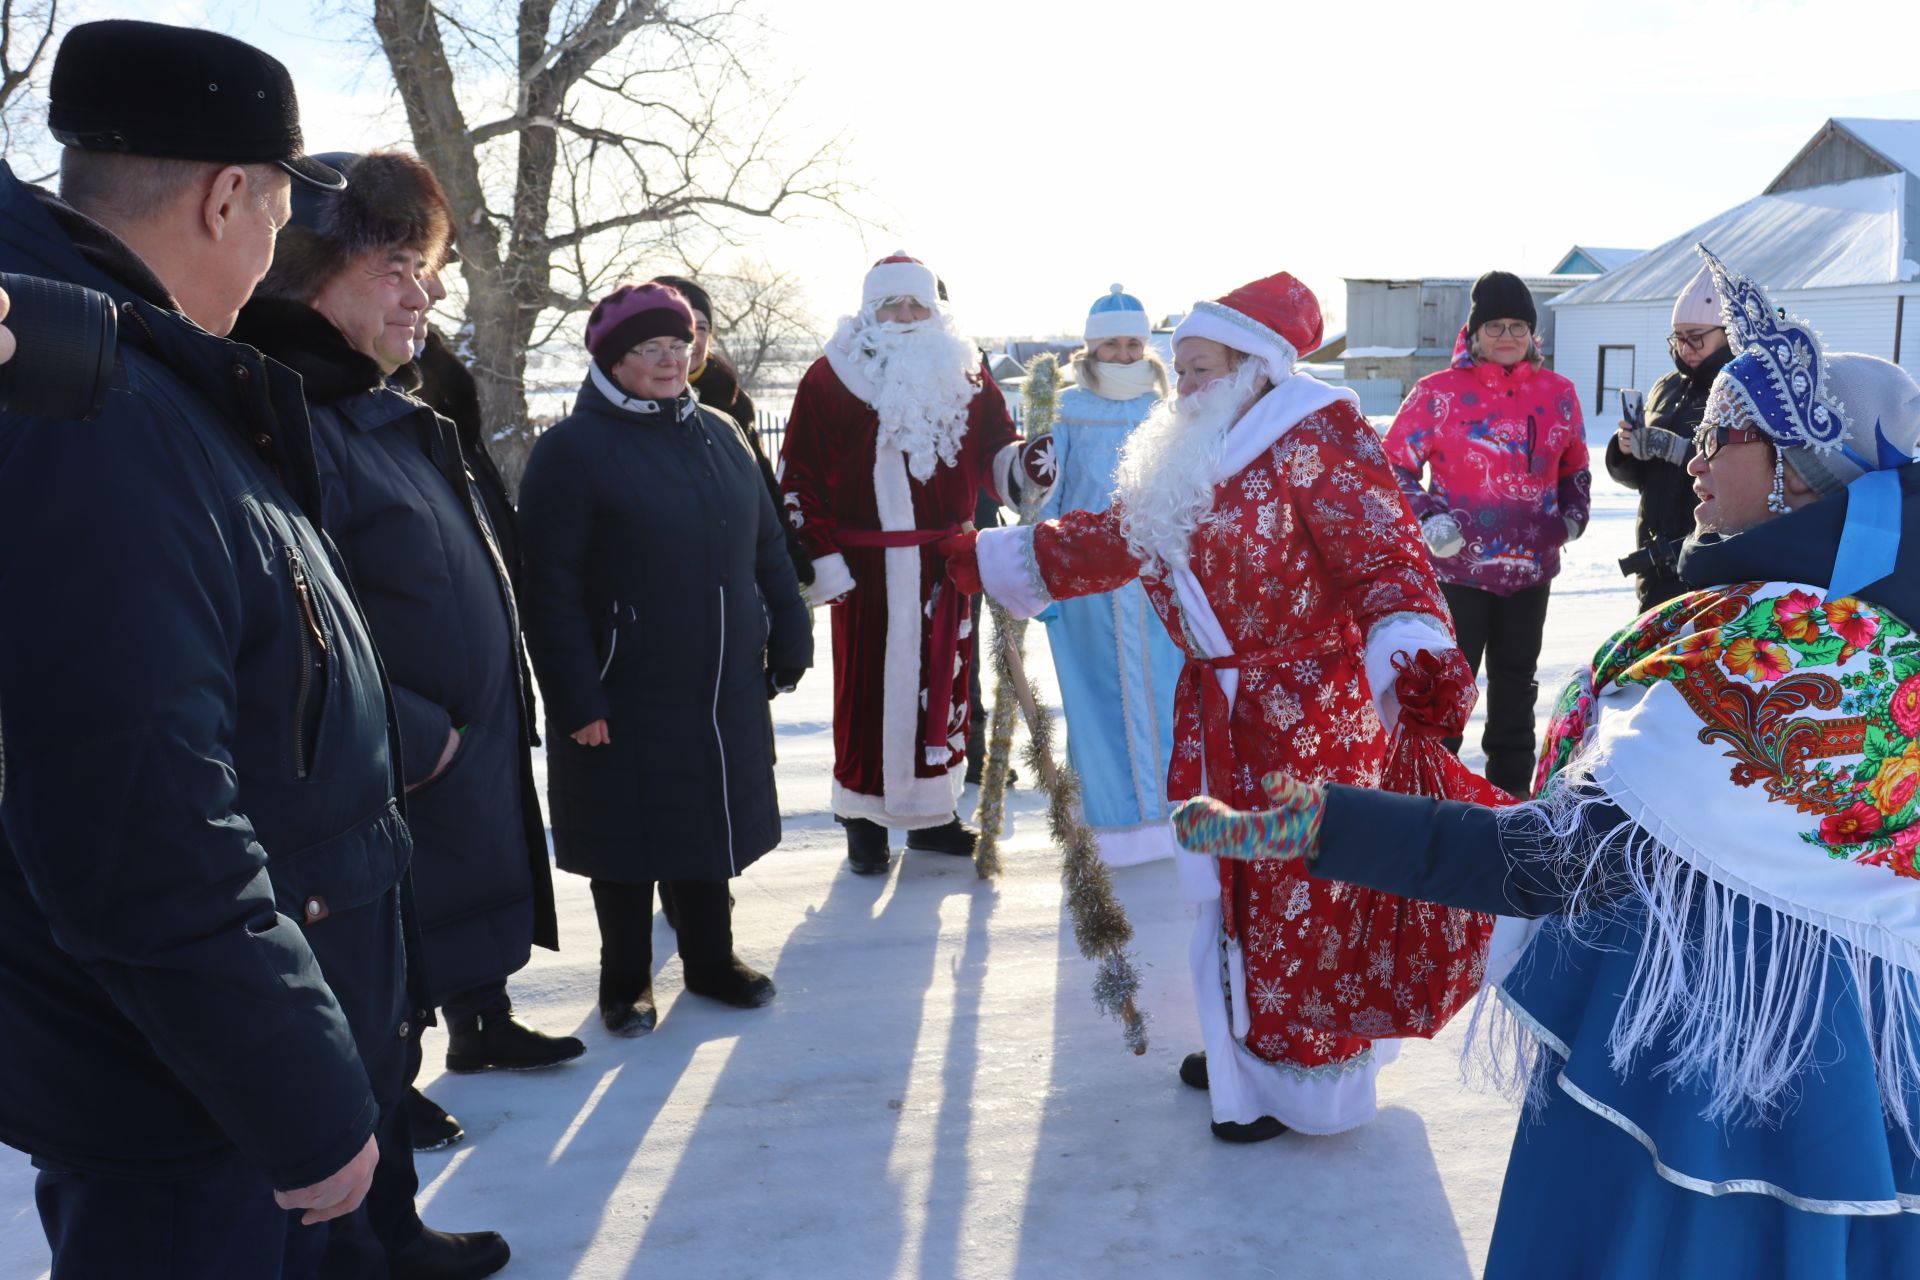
<point x="305" y="341"/>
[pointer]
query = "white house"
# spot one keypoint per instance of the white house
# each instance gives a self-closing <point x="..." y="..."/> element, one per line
<point x="1833" y="239"/>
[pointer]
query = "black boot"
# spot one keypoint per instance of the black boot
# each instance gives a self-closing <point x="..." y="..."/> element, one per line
<point x="867" y="851"/>
<point x="706" y="947"/>
<point x="498" y="1041"/>
<point x="449" y="1255"/>
<point x="628" y="1018"/>
<point x="1258" y="1131"/>
<point x="1193" y="1070"/>
<point x="952" y="836"/>
<point x="433" y="1128"/>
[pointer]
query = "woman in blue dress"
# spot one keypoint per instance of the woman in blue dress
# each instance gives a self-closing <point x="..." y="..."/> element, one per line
<point x="1116" y="665"/>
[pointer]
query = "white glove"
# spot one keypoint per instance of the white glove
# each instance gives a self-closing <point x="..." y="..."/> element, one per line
<point x="1443" y="535"/>
<point x="1574" y="528"/>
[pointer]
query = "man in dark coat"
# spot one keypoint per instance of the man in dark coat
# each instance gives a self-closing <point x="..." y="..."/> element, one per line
<point x="341" y="306"/>
<point x="202" y="857"/>
<point x="1652" y="456"/>
<point x="718" y="386"/>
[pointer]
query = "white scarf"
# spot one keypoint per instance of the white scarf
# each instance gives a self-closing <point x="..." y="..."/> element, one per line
<point x="1120" y="381"/>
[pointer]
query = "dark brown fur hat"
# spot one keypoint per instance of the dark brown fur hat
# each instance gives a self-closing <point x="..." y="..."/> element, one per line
<point x="391" y="198"/>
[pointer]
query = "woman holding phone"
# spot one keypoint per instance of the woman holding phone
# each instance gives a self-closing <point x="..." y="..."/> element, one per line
<point x="1651" y="455"/>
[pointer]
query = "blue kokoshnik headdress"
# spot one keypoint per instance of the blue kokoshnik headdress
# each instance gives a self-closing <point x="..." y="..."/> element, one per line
<point x="1844" y="420"/>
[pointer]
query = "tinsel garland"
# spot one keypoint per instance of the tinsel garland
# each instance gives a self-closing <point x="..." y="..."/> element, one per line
<point x="1100" y="925"/>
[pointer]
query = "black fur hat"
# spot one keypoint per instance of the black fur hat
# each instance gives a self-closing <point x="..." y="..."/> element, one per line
<point x="391" y="198"/>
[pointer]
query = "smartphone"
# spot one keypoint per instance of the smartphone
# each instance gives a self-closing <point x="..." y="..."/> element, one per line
<point x="1633" y="406"/>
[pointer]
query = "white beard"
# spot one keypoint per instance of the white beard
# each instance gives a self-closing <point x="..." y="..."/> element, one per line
<point x="919" y="379"/>
<point x="1170" y="465"/>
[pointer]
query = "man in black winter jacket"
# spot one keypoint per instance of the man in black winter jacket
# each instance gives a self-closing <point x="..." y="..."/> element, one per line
<point x="201" y="852"/>
<point x="1652" y="456"/>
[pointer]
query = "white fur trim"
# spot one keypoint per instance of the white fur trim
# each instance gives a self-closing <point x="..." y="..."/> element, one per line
<point x="1407" y="633"/>
<point x="857" y="804"/>
<point x="1293" y="398"/>
<point x="1116" y="324"/>
<point x="1241" y="332"/>
<point x="907" y="796"/>
<point x="831" y="579"/>
<point x="1131" y="846"/>
<point x="900" y="280"/>
<point x="1003" y="471"/>
<point x="1242" y="1087"/>
<point x="1008" y="572"/>
<point x="841" y="358"/>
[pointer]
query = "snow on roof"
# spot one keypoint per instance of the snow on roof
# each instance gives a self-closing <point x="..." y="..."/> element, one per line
<point x="1897" y="140"/>
<point x="1376" y="353"/>
<point x="1850" y="233"/>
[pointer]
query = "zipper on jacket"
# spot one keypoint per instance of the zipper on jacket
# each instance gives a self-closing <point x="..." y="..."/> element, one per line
<point x="613" y="643"/>
<point x="311" y="641"/>
<point x="726" y="802"/>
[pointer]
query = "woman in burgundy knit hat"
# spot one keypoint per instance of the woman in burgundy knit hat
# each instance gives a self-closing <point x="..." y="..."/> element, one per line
<point x="662" y="615"/>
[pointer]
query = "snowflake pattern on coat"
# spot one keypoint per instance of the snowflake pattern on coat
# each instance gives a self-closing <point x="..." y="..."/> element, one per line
<point x="1305" y="551"/>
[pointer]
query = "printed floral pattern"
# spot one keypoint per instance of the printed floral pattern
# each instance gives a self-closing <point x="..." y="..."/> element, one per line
<point x="1817" y="701"/>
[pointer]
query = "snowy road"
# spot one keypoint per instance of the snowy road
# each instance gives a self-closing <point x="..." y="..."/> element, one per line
<point x="933" y="1094"/>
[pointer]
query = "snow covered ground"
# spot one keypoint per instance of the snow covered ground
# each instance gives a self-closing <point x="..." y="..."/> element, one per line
<point x="933" y="1094"/>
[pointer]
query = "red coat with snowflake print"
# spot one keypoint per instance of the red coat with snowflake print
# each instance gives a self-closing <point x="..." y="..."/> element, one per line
<point x="1304" y="553"/>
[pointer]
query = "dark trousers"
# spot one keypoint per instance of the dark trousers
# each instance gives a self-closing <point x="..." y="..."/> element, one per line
<point x="1506" y="631"/>
<point x="702" y="916"/>
<point x="216" y="1224"/>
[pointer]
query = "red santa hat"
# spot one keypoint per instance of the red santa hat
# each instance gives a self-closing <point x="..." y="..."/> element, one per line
<point x="1277" y="319"/>
<point x="899" y="276"/>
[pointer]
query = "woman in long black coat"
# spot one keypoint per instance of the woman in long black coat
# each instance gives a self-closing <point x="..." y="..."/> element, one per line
<point x="662" y="615"/>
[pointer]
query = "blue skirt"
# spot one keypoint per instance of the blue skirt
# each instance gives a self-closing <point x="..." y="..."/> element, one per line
<point x="1621" y="1176"/>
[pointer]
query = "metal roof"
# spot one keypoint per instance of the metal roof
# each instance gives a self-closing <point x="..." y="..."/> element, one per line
<point x="1839" y="236"/>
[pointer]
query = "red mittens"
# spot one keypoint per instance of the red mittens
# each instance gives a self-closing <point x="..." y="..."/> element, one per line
<point x="1436" y="692"/>
<point x="963" y="566"/>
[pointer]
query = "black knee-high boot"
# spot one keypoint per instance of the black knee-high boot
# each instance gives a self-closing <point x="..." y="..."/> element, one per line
<point x="625" y="912"/>
<point x="703" y="923"/>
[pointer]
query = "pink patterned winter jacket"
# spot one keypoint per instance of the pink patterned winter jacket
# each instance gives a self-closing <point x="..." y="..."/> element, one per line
<point x="1503" y="452"/>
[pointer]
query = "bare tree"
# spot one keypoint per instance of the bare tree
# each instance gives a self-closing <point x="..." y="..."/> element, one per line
<point x="759" y="317"/>
<point x="26" y="33"/>
<point x="610" y="132"/>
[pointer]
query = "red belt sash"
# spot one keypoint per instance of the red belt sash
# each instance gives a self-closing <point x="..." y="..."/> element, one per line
<point x="943" y="652"/>
<point x="1221" y="753"/>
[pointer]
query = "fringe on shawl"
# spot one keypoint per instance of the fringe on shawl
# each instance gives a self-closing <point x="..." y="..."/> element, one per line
<point x="1698" y="993"/>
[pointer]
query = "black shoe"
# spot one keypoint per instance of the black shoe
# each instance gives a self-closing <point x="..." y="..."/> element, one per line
<point x="491" y="1041"/>
<point x="1193" y="1070"/>
<point x="629" y="1018"/>
<point x="1259" y="1131"/>
<point x="867" y="847"/>
<point x="433" y="1129"/>
<point x="449" y="1255"/>
<point x="952" y="836"/>
<point x="734" y="984"/>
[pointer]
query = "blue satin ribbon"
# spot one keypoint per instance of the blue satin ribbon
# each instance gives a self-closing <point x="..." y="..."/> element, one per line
<point x="1870" y="538"/>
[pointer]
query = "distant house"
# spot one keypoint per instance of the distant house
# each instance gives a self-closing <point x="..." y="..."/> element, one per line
<point x="1585" y="260"/>
<point x="1399" y="331"/>
<point x="1833" y="238"/>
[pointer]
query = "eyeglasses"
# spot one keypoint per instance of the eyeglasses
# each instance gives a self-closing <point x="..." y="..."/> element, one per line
<point x="1507" y="329"/>
<point x="1709" y="440"/>
<point x="657" y="352"/>
<point x="1692" y="341"/>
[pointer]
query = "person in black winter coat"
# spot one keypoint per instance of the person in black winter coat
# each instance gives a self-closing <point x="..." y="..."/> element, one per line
<point x="1652" y="456"/>
<point x="717" y="385"/>
<point x="202" y="854"/>
<point x="341" y="306"/>
<point x="662" y="615"/>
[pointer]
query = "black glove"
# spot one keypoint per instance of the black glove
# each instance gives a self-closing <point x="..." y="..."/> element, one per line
<point x="783" y="680"/>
